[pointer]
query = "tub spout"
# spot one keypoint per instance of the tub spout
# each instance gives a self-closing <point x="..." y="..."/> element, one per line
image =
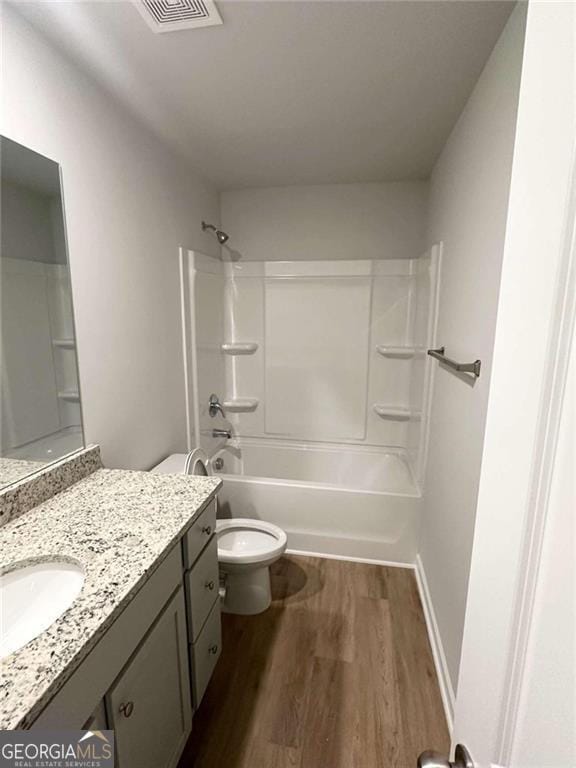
<point x="222" y="433"/>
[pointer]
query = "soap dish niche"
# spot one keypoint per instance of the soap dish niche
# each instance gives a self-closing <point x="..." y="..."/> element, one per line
<point x="64" y="343"/>
<point x="69" y="395"/>
<point x="399" y="353"/>
<point x="239" y="348"/>
<point x="395" y="412"/>
<point x="241" y="404"/>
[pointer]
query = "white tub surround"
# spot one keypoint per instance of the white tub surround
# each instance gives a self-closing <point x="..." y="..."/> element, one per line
<point x="321" y="372"/>
<point x="322" y="351"/>
<point x="316" y="370"/>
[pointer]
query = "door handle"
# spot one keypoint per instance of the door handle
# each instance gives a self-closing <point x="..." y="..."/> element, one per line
<point x="462" y="759"/>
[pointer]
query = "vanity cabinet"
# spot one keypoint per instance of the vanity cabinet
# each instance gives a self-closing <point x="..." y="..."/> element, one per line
<point x="149" y="671"/>
<point x="149" y="705"/>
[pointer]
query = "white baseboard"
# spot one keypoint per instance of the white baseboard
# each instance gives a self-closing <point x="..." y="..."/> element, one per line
<point x="446" y="689"/>
<point x="348" y="558"/>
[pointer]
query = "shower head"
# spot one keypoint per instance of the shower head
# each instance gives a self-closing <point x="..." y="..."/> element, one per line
<point x="222" y="237"/>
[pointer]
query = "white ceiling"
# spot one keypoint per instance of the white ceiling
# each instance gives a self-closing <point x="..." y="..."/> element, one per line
<point x="291" y="92"/>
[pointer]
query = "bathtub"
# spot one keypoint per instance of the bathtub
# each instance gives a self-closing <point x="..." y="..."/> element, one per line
<point x="343" y="501"/>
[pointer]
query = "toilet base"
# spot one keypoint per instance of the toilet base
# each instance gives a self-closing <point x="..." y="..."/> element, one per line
<point x="247" y="593"/>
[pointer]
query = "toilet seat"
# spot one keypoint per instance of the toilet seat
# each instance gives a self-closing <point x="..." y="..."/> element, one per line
<point x="198" y="464"/>
<point x="247" y="541"/>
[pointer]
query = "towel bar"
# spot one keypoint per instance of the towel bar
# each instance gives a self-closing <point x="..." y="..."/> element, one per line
<point x="439" y="354"/>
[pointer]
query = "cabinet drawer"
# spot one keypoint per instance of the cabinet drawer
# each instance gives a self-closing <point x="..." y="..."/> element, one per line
<point x="205" y="653"/>
<point x="202" y="589"/>
<point x="199" y="534"/>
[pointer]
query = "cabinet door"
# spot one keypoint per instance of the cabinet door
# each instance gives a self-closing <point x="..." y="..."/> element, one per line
<point x="97" y="720"/>
<point x="149" y="705"/>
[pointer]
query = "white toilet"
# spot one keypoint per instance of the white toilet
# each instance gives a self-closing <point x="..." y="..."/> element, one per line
<point x="246" y="547"/>
<point x="246" y="550"/>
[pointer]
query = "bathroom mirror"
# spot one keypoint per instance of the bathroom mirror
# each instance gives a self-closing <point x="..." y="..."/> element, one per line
<point x="40" y="411"/>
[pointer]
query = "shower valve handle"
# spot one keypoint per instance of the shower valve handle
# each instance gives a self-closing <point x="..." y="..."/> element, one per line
<point x="215" y="407"/>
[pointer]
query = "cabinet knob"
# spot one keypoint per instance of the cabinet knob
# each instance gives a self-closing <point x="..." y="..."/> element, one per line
<point x="207" y="529"/>
<point x="127" y="708"/>
<point x="210" y="585"/>
<point x="213" y="649"/>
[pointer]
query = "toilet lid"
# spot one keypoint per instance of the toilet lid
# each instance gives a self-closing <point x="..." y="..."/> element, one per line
<point x="197" y="463"/>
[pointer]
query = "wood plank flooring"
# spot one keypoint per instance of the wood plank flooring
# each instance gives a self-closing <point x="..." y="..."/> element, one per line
<point x="338" y="673"/>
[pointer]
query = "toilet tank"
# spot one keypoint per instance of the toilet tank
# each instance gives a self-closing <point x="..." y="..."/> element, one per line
<point x="173" y="464"/>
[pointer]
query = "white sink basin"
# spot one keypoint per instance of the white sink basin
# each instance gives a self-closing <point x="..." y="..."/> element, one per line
<point x="32" y="598"/>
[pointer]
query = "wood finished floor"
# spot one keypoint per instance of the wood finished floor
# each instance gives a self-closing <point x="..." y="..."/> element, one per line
<point x="338" y="673"/>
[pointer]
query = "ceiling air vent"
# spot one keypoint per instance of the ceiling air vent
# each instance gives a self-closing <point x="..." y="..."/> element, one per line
<point x="172" y="15"/>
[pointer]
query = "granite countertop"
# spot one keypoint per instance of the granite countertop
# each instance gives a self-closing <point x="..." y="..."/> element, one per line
<point x="118" y="525"/>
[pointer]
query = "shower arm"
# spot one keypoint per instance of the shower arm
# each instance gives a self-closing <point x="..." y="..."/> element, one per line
<point x="221" y="236"/>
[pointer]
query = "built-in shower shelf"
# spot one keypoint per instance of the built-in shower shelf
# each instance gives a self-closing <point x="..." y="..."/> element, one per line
<point x="395" y="412"/>
<point x="70" y="395"/>
<point x="403" y="353"/>
<point x="64" y="343"/>
<point x="239" y="348"/>
<point x="241" y="404"/>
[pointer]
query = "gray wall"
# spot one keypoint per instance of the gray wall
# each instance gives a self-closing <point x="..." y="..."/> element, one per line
<point x="329" y="221"/>
<point x="468" y="207"/>
<point x="130" y="203"/>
